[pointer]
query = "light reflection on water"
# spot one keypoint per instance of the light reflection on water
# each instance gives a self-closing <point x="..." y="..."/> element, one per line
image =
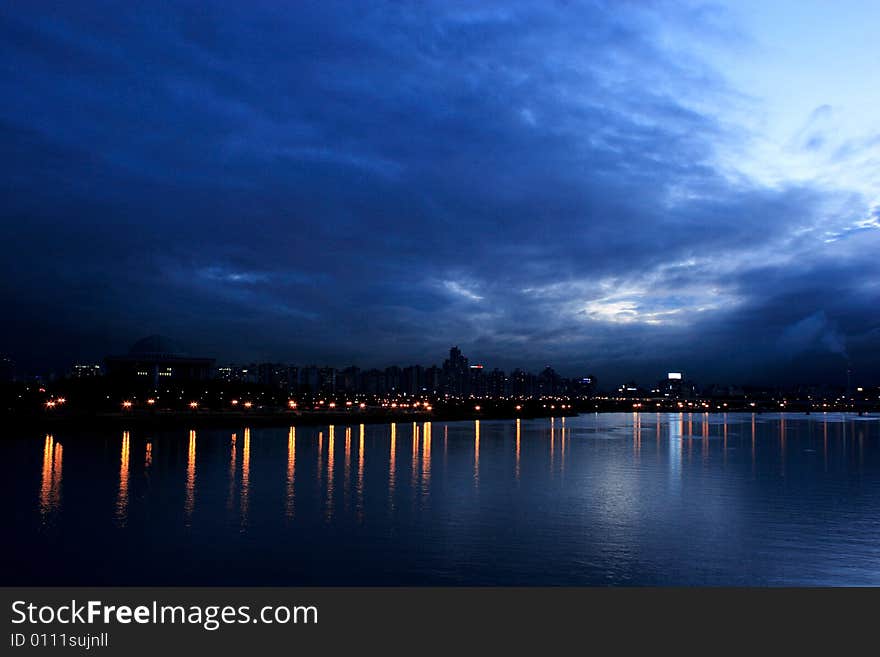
<point x="346" y="476"/>
<point x="245" y="495"/>
<point x="230" y="498"/>
<point x="392" y="467"/>
<point x="122" y="497"/>
<point x="360" y="476"/>
<point x="291" y="473"/>
<point x="518" y="436"/>
<point x="636" y="498"/>
<point x="331" y="444"/>
<point x="477" y="453"/>
<point x="426" y="459"/>
<point x="50" y="478"/>
<point x="414" y="468"/>
<point x="190" y="500"/>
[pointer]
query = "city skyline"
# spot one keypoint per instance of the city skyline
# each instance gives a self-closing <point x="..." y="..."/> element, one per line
<point x="222" y="369"/>
<point x="337" y="299"/>
<point x="619" y="189"/>
<point x="151" y="359"/>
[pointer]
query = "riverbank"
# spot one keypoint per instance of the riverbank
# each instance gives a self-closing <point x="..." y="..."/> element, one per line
<point x="219" y="419"/>
<point x="207" y="419"/>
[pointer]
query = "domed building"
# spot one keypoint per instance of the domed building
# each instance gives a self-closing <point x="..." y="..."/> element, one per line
<point x="156" y="346"/>
<point x="156" y="359"/>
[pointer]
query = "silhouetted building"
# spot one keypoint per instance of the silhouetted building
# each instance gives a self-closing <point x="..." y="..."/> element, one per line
<point x="86" y="371"/>
<point x="348" y="380"/>
<point x="674" y="386"/>
<point x="278" y="376"/>
<point x="456" y="374"/>
<point x="392" y="379"/>
<point x="413" y="380"/>
<point x="497" y="384"/>
<point x="327" y="380"/>
<point x="373" y="382"/>
<point x="477" y="381"/>
<point x="237" y="373"/>
<point x="585" y="386"/>
<point x="155" y="360"/>
<point x="309" y="379"/>
<point x="630" y="389"/>
<point x="433" y="380"/>
<point x="549" y="382"/>
<point x="523" y="384"/>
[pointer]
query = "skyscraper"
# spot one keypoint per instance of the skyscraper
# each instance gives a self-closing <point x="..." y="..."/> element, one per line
<point x="456" y="374"/>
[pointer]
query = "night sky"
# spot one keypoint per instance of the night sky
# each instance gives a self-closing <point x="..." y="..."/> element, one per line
<point x="609" y="187"/>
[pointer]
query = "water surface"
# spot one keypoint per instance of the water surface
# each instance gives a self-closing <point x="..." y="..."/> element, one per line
<point x="614" y="499"/>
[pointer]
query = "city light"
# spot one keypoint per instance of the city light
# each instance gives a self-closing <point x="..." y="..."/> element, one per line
<point x="400" y="391"/>
<point x="631" y="213"/>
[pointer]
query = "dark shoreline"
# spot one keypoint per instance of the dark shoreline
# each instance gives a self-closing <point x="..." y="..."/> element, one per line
<point x="218" y="420"/>
<point x="198" y="420"/>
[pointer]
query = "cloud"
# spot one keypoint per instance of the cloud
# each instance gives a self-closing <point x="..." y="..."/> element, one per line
<point x="813" y="332"/>
<point x="342" y="181"/>
<point x="459" y="290"/>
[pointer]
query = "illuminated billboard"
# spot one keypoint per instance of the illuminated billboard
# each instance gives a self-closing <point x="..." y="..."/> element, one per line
<point x="674" y="376"/>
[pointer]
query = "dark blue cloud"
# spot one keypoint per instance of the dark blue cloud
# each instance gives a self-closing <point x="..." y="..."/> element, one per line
<point x="372" y="182"/>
